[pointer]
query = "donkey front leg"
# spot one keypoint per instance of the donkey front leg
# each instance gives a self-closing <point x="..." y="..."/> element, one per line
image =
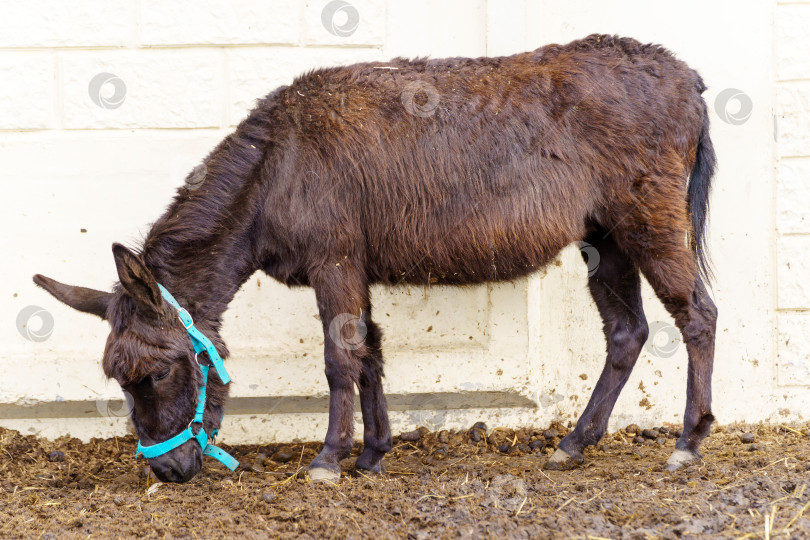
<point x="340" y="303"/>
<point x="376" y="430"/>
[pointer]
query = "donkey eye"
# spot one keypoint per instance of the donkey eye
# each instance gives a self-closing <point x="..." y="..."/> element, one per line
<point x="162" y="375"/>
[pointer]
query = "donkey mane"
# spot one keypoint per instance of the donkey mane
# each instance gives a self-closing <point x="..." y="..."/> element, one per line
<point x="216" y="206"/>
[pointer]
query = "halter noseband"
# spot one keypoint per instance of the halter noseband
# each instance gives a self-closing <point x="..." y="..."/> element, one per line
<point x="201" y="344"/>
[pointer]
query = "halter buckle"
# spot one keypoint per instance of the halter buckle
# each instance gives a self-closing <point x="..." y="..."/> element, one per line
<point x="190" y="319"/>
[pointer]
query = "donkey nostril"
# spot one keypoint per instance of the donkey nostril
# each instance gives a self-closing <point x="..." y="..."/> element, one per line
<point x="170" y="471"/>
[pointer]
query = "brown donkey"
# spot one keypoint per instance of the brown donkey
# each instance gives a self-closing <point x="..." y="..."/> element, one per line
<point x="457" y="170"/>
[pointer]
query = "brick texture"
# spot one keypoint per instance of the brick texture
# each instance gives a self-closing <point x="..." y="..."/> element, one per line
<point x="793" y="45"/>
<point x="211" y="22"/>
<point x="793" y="196"/>
<point x="161" y="89"/>
<point x="56" y="23"/>
<point x="793" y="113"/>
<point x="793" y="272"/>
<point x="338" y="22"/>
<point x="793" y="192"/>
<point x="27" y="90"/>
<point x="793" y="362"/>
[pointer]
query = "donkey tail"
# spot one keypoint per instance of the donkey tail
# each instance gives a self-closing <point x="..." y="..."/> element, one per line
<point x="700" y="183"/>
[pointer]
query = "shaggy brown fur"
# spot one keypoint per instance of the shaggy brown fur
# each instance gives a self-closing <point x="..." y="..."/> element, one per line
<point x="450" y="171"/>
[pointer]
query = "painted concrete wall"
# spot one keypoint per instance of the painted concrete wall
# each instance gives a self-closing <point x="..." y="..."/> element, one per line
<point x="87" y="159"/>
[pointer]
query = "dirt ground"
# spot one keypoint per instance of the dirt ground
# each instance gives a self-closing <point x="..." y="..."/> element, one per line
<point x="752" y="483"/>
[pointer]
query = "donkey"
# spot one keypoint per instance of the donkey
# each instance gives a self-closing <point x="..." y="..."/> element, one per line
<point x="452" y="171"/>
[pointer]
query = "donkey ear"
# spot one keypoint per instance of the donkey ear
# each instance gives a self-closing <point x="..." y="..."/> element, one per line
<point x="81" y="298"/>
<point x="137" y="280"/>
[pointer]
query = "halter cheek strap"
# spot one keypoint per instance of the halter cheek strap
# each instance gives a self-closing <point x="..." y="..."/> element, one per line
<point x="201" y="344"/>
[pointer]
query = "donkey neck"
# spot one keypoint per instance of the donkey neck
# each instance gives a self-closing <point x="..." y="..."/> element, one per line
<point x="204" y="247"/>
<point x="203" y="272"/>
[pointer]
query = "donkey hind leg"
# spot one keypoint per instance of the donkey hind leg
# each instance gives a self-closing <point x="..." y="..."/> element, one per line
<point x="376" y="430"/>
<point x="697" y="320"/>
<point x="670" y="267"/>
<point x="616" y="288"/>
<point x="341" y="300"/>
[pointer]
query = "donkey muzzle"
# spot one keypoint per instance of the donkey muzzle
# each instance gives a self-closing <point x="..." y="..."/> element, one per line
<point x="178" y="465"/>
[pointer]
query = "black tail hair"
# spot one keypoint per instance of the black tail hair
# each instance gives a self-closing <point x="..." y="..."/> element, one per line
<point x="700" y="184"/>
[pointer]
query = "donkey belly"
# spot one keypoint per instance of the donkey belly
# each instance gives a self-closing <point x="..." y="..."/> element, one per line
<point x="451" y="265"/>
<point x="491" y="240"/>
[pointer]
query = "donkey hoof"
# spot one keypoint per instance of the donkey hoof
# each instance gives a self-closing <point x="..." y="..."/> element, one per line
<point x="366" y="465"/>
<point x="362" y="469"/>
<point x="561" y="460"/>
<point x="679" y="458"/>
<point x="320" y="474"/>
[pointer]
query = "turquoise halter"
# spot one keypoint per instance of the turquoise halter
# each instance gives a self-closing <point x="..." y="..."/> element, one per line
<point x="201" y="344"/>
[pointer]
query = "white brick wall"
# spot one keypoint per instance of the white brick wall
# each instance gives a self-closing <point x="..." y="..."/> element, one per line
<point x="211" y="22"/>
<point x="75" y="159"/>
<point x="163" y="89"/>
<point x="183" y="64"/>
<point x="794" y="349"/>
<point x="793" y="274"/>
<point x="360" y="22"/>
<point x="791" y="198"/>
<point x="793" y="44"/>
<point x="792" y="104"/>
<point x="56" y="23"/>
<point x="793" y="191"/>
<point x="27" y="96"/>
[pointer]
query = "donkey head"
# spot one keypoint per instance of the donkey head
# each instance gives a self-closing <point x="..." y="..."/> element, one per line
<point x="150" y="355"/>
